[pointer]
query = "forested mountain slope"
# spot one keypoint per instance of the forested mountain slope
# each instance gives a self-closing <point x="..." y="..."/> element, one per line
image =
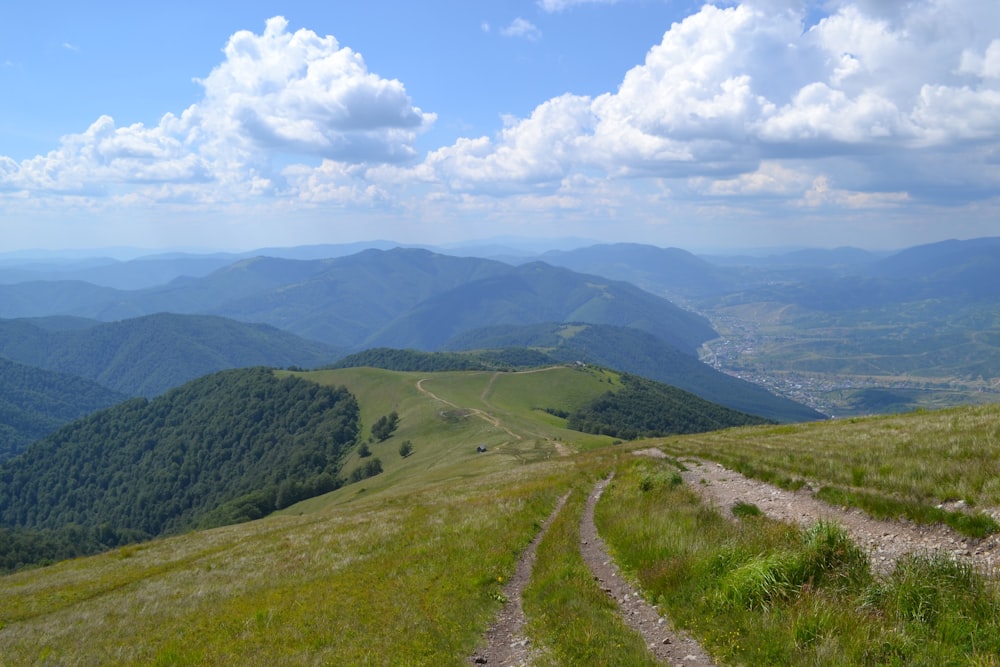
<point x="535" y="293"/>
<point x="643" y="408"/>
<point x="398" y="298"/>
<point x="146" y="356"/>
<point x="230" y="446"/>
<point x="35" y="402"/>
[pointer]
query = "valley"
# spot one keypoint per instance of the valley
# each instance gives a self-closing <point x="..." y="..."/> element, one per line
<point x="788" y="354"/>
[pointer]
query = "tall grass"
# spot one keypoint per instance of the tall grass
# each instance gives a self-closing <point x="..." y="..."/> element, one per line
<point x="758" y="592"/>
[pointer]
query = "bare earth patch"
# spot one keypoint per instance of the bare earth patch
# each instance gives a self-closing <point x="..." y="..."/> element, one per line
<point x="665" y="643"/>
<point x="886" y="541"/>
<point x="506" y="644"/>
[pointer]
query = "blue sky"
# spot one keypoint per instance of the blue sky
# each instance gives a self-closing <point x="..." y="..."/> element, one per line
<point x="873" y="123"/>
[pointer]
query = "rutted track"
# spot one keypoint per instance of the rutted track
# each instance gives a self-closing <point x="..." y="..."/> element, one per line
<point x="668" y="645"/>
<point x="506" y="644"/>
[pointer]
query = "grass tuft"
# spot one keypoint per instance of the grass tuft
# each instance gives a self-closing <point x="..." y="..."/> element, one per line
<point x="745" y="510"/>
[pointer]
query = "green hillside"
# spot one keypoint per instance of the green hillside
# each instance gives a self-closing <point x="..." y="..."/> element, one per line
<point x="35" y="402"/>
<point x="639" y="353"/>
<point x="407" y="567"/>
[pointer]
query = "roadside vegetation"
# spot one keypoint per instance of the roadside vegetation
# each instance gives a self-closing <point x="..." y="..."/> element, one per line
<point x="759" y="592"/>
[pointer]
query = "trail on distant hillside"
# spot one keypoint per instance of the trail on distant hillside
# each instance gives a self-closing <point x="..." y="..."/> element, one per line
<point x="668" y="645"/>
<point x="885" y="541"/>
<point x="482" y="414"/>
<point x="560" y="448"/>
<point x="505" y="642"/>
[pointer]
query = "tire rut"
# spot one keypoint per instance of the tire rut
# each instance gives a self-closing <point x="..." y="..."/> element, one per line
<point x="505" y="642"/>
<point x="667" y="644"/>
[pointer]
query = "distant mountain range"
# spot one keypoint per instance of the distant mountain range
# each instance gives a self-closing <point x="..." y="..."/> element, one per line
<point x="397" y="298"/>
<point x="844" y="278"/>
<point x="142" y="326"/>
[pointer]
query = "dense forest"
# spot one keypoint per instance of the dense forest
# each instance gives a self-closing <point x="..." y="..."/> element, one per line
<point x="35" y="402"/>
<point x="391" y="359"/>
<point x="231" y="446"/>
<point x="646" y="409"/>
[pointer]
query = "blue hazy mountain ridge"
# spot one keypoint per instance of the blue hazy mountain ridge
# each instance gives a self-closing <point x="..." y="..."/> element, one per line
<point x="153" y="269"/>
<point x="133" y="274"/>
<point x="657" y="270"/>
<point x="373" y="297"/>
<point x="148" y="355"/>
<point x="839" y="278"/>
<point x="537" y="292"/>
<point x="845" y="257"/>
<point x="954" y="273"/>
<point x="35" y="402"/>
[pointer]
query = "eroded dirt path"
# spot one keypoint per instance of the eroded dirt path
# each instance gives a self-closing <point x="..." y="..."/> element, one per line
<point x="885" y="541"/>
<point x="505" y="642"/>
<point x="668" y="645"/>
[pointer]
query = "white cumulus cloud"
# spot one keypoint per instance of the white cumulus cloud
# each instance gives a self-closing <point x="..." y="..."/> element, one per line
<point x="302" y="93"/>
<point x="730" y="92"/>
<point x="276" y="94"/>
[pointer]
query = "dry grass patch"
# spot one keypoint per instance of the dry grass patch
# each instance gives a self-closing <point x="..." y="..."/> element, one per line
<point x="406" y="579"/>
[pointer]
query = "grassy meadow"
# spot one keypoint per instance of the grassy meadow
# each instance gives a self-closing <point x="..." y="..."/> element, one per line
<point x="407" y="567"/>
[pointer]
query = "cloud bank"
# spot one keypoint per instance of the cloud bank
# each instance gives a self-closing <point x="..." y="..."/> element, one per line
<point x="729" y="89"/>
<point x="740" y="110"/>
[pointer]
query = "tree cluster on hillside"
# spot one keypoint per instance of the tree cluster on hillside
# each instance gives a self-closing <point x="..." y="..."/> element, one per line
<point x="645" y="409"/>
<point x="385" y="426"/>
<point x="369" y="469"/>
<point x="231" y="446"/>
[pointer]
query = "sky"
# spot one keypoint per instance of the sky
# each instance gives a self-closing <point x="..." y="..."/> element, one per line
<point x="762" y="123"/>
